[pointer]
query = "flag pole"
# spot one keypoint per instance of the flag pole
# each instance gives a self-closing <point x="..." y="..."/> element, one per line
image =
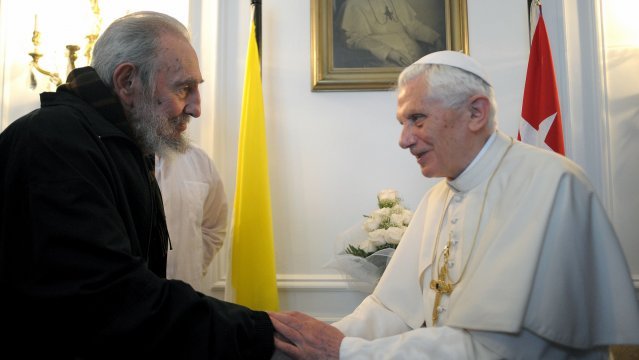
<point x="534" y="11"/>
<point x="257" y="19"/>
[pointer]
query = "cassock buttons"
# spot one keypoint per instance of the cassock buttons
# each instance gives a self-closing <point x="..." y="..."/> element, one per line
<point x="453" y="237"/>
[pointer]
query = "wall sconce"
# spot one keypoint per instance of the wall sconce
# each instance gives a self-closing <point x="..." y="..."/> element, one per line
<point x="71" y="52"/>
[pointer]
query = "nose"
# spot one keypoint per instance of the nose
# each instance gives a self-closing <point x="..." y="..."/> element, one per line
<point x="406" y="138"/>
<point x="192" y="107"/>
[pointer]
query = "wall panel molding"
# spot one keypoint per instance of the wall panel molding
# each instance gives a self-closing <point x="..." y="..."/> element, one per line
<point x="328" y="297"/>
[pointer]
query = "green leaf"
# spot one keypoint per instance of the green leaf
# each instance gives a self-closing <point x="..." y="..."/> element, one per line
<point x="353" y="250"/>
<point x="386" y="246"/>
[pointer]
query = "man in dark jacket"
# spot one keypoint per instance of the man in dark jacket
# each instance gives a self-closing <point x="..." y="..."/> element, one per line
<point x="83" y="239"/>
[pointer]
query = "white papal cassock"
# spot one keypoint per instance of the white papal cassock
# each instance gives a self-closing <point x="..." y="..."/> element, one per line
<point x="546" y="277"/>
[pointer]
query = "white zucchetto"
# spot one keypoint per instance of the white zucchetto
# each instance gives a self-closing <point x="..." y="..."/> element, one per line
<point x="456" y="59"/>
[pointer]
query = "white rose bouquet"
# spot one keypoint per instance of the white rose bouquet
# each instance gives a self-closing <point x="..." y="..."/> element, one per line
<point x="365" y="249"/>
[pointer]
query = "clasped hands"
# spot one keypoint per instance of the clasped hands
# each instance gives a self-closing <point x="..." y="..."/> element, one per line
<point x="300" y="336"/>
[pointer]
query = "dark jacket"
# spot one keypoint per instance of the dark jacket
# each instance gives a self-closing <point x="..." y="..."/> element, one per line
<point x="78" y="236"/>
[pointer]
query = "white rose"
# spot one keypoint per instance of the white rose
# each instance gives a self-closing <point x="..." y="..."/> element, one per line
<point x="387" y="198"/>
<point x="367" y="246"/>
<point x="397" y="219"/>
<point x="372" y="223"/>
<point x="407" y="215"/>
<point x="387" y="195"/>
<point x="377" y="237"/>
<point x="394" y="234"/>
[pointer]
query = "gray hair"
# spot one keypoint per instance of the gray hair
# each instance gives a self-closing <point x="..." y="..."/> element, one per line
<point x="451" y="85"/>
<point x="134" y="38"/>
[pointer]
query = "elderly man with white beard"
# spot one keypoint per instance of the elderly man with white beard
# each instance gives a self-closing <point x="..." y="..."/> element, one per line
<point x="83" y="238"/>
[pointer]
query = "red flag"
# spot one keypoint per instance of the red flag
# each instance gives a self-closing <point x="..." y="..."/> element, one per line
<point x="541" y="124"/>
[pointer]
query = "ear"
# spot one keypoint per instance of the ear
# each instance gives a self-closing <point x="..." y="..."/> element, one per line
<point x="479" y="108"/>
<point x="123" y="82"/>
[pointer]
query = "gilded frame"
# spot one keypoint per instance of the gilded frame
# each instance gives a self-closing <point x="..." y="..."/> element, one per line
<point x="326" y="76"/>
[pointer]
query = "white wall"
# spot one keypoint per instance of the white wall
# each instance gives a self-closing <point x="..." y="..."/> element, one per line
<point x="331" y="152"/>
<point x="621" y="51"/>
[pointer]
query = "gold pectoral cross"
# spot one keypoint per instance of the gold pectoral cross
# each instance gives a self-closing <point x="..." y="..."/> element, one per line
<point x="441" y="285"/>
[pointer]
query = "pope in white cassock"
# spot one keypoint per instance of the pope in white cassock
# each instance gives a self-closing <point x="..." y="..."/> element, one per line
<point x="511" y="255"/>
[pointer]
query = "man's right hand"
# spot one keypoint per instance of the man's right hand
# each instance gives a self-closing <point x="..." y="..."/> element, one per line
<point x="301" y="336"/>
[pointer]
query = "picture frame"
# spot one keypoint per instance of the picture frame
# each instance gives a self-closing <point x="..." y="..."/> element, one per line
<point x="345" y="55"/>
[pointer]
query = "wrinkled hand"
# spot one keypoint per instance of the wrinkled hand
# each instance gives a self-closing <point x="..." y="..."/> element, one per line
<point x="301" y="336"/>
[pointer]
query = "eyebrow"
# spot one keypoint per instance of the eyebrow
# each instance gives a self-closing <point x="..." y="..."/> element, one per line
<point x="189" y="81"/>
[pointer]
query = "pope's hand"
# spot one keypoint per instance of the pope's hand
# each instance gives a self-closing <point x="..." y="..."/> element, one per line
<point x="301" y="336"/>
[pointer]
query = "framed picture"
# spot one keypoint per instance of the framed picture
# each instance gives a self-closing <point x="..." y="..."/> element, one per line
<point x="364" y="44"/>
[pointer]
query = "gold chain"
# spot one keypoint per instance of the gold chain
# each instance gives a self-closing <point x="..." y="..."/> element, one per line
<point x="443" y="284"/>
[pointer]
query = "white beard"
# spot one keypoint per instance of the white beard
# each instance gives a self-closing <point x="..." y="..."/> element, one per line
<point x="154" y="131"/>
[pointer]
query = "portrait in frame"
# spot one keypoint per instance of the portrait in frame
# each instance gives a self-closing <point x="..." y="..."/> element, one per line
<point x="359" y="45"/>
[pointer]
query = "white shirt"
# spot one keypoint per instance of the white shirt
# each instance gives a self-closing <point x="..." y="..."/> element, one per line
<point x="196" y="211"/>
<point x="546" y="278"/>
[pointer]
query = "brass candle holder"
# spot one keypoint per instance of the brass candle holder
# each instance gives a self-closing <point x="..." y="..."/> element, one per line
<point x="72" y="50"/>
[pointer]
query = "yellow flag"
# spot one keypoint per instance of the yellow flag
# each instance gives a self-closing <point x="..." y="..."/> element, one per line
<point x="251" y="280"/>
